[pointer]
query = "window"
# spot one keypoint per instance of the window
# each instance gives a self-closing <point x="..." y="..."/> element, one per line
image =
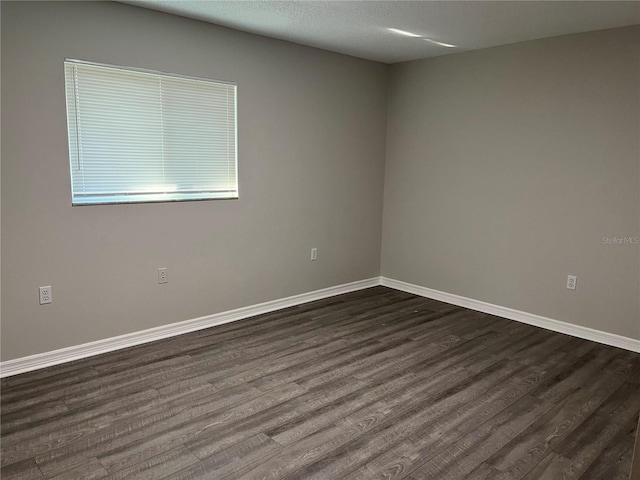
<point x="142" y="136"/>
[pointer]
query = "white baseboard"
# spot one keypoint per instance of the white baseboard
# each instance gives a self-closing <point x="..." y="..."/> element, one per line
<point x="517" y="315"/>
<point x="55" y="357"/>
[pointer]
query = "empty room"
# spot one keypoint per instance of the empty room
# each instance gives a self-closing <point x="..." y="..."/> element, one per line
<point x="320" y="240"/>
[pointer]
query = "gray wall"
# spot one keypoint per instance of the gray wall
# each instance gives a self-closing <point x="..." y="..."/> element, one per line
<point x="505" y="167"/>
<point x="311" y="162"/>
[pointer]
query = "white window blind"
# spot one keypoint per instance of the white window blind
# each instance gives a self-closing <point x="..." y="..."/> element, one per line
<point x="140" y="136"/>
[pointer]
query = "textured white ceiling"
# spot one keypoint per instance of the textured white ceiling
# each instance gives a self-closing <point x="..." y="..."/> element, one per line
<point x="359" y="28"/>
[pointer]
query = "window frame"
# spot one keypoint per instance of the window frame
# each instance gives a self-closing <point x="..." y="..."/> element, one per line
<point x="142" y="198"/>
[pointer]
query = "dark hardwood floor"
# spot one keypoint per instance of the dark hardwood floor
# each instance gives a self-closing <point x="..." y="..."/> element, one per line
<point x="376" y="384"/>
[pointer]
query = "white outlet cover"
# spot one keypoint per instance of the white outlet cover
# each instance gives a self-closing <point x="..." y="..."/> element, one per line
<point x="46" y="294"/>
<point x="572" y="280"/>
<point x="162" y="275"/>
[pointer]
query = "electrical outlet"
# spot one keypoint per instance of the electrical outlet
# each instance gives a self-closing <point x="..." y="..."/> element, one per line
<point x="571" y="282"/>
<point x="46" y="294"/>
<point x="314" y="254"/>
<point x="162" y="275"/>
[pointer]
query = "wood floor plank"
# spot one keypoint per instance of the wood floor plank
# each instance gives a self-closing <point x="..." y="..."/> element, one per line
<point x="310" y="440"/>
<point x="339" y="352"/>
<point x="18" y="420"/>
<point x="550" y="467"/>
<point x="483" y="472"/>
<point x="141" y="426"/>
<point x="49" y="384"/>
<point x="406" y="419"/>
<point x="88" y="470"/>
<point x="159" y="466"/>
<point x="102" y="387"/>
<point x="286" y="348"/>
<point x="520" y="381"/>
<point x="523" y="453"/>
<point x="569" y="380"/>
<point x="614" y="463"/>
<point x="430" y="380"/>
<point x="461" y="458"/>
<point x="367" y="385"/>
<point x="123" y="456"/>
<point x="394" y="319"/>
<point x="23" y="470"/>
<point x="82" y="421"/>
<point x="389" y="362"/>
<point x="468" y="403"/>
<point x="208" y="442"/>
<point x="394" y="390"/>
<point x="231" y="459"/>
<point x="577" y="452"/>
